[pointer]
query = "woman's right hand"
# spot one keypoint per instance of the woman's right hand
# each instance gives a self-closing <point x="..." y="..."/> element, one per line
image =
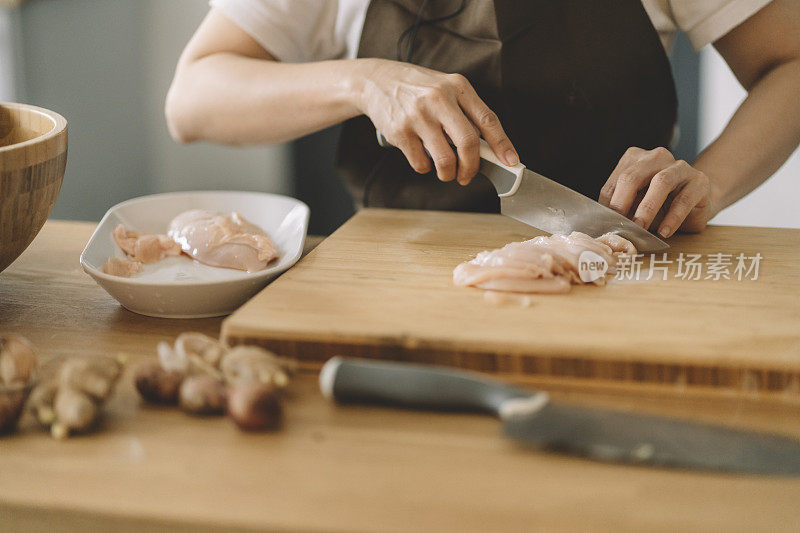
<point x="419" y="109"/>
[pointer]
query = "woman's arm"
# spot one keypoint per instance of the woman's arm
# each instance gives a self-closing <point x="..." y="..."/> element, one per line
<point x="764" y="54"/>
<point x="228" y="89"/>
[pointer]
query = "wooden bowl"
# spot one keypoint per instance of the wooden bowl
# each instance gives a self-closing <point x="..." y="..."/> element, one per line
<point x="33" y="156"/>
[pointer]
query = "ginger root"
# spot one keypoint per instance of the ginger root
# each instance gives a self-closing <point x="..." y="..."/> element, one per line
<point x="94" y="377"/>
<point x="41" y="402"/>
<point x="18" y="365"/>
<point x="11" y="404"/>
<point x="18" y="360"/>
<point x="71" y="401"/>
<point x="74" y="412"/>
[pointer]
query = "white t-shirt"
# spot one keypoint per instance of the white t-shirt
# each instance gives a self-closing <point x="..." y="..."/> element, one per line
<point x="316" y="30"/>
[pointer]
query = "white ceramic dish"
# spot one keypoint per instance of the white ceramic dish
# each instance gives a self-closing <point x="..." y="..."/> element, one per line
<point x="179" y="287"/>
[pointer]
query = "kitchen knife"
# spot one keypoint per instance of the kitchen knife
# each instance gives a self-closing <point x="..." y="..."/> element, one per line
<point x="531" y="418"/>
<point x="547" y="205"/>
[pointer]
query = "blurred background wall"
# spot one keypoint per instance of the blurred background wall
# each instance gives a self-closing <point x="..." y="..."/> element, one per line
<point x="106" y="66"/>
<point x="774" y="203"/>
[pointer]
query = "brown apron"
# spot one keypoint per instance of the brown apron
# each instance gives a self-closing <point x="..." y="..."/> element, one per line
<point x="574" y="82"/>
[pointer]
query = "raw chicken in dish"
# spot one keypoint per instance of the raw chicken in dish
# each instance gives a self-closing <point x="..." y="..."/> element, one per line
<point x="545" y="265"/>
<point x="145" y="248"/>
<point x="216" y="239"/>
<point x="140" y="249"/>
<point x="123" y="268"/>
<point x="222" y="240"/>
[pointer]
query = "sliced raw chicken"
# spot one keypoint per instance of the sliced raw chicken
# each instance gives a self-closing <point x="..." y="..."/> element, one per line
<point x="618" y="245"/>
<point x="122" y="267"/>
<point x="540" y="265"/>
<point x="504" y="298"/>
<point x="222" y="240"/>
<point x="145" y="248"/>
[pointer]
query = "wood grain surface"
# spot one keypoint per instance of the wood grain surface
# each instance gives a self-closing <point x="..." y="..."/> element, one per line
<point x="33" y="157"/>
<point x="331" y="468"/>
<point x="381" y="286"/>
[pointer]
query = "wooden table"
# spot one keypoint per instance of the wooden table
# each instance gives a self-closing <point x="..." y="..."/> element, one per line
<point x="331" y="468"/>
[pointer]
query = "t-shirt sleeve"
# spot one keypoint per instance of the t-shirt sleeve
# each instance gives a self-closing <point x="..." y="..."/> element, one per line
<point x="292" y="31"/>
<point x="705" y="21"/>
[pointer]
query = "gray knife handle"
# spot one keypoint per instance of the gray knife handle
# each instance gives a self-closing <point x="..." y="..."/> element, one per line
<point x="413" y="386"/>
<point x="504" y="184"/>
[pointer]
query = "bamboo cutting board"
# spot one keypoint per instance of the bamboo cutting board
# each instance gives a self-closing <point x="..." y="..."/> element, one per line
<point x="381" y="287"/>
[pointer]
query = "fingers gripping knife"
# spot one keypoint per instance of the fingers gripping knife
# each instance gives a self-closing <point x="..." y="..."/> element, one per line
<point x="547" y="205"/>
<point x="533" y="419"/>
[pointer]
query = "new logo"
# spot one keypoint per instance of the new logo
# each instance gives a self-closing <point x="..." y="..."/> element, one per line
<point x="591" y="266"/>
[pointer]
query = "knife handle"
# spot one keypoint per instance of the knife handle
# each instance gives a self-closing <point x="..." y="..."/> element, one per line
<point x="413" y="386"/>
<point x="487" y="154"/>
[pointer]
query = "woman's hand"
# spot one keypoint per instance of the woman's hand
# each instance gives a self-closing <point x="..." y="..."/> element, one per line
<point x="419" y="109"/>
<point x="653" y="189"/>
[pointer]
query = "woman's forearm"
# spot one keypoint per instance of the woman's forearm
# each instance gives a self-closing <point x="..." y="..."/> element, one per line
<point x="232" y="99"/>
<point x="759" y="138"/>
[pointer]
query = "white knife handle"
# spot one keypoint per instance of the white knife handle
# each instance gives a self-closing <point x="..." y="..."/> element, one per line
<point x="382" y="142"/>
<point x="487" y="154"/>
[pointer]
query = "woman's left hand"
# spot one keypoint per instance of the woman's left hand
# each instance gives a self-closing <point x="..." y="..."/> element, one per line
<point x="653" y="189"/>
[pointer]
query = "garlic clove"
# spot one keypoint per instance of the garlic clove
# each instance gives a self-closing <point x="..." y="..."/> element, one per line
<point x="203" y="395"/>
<point x="255" y="407"/>
<point x="252" y="364"/>
<point x="170" y="358"/>
<point x="156" y="385"/>
<point x="209" y="350"/>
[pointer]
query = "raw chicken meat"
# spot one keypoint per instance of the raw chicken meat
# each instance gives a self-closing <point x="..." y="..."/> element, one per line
<point x="222" y="240"/>
<point x="546" y="265"/>
<point x="123" y="268"/>
<point x="618" y="245"/>
<point x="212" y="238"/>
<point x="145" y="248"/>
<point x="504" y="298"/>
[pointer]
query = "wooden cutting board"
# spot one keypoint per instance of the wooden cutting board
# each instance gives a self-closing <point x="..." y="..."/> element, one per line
<point x="381" y="287"/>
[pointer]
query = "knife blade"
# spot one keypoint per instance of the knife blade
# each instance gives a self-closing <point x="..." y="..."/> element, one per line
<point x="531" y="418"/>
<point x="549" y="206"/>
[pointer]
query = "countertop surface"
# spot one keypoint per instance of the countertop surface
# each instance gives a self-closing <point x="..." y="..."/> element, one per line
<point x="330" y="468"/>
